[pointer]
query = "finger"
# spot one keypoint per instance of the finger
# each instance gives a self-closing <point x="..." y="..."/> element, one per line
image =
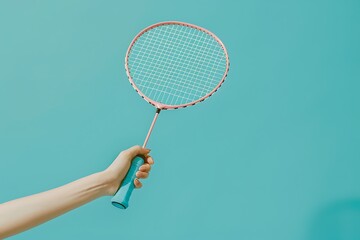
<point x="150" y="160"/>
<point x="142" y="174"/>
<point x="137" y="150"/>
<point x="137" y="183"/>
<point x="145" y="167"/>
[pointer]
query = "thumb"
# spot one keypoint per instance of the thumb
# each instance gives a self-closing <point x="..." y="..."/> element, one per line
<point x="137" y="150"/>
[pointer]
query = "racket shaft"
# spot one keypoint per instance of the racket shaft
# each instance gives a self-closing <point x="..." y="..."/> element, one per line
<point x="122" y="196"/>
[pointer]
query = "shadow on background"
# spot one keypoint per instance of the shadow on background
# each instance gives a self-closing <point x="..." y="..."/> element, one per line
<point x="338" y="221"/>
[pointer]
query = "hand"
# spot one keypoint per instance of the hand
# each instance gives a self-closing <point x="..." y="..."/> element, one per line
<point x="117" y="171"/>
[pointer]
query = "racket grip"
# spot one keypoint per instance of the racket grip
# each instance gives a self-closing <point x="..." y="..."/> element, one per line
<point x="122" y="196"/>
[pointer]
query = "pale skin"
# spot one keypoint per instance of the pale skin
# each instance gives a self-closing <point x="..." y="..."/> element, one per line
<point x="21" y="214"/>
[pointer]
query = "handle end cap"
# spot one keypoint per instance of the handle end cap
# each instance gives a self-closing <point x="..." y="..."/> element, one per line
<point x="120" y="205"/>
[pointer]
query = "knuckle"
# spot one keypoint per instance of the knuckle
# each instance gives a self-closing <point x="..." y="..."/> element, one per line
<point x="137" y="147"/>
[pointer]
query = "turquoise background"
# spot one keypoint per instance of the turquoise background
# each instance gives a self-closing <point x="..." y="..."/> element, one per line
<point x="273" y="155"/>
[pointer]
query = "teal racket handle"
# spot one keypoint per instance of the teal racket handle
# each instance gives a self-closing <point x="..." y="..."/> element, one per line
<point x="122" y="196"/>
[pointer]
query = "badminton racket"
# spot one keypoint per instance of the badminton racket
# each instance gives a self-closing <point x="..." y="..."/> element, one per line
<point x="171" y="65"/>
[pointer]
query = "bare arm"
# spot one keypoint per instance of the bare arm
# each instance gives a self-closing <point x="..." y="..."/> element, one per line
<point x="27" y="212"/>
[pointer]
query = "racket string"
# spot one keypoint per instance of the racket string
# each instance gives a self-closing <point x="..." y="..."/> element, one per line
<point x="174" y="64"/>
<point x="184" y="57"/>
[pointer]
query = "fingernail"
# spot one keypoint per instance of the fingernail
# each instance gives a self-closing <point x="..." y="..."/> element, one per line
<point x="137" y="180"/>
<point x="148" y="149"/>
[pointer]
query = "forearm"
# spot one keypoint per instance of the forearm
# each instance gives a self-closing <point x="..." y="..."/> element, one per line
<point x="24" y="213"/>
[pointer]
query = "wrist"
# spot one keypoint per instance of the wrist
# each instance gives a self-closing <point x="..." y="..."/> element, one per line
<point x="108" y="182"/>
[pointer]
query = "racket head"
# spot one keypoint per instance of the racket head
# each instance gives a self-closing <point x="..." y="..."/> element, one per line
<point x="187" y="48"/>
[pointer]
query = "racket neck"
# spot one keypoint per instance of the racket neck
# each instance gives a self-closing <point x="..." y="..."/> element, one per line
<point x="151" y="127"/>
